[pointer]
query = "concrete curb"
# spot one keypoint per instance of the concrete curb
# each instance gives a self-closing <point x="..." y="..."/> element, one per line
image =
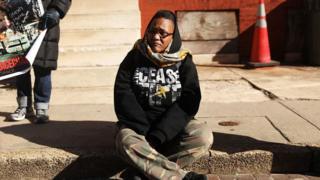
<point x="51" y="163"/>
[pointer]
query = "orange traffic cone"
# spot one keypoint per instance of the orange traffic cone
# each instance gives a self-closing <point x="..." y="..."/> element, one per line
<point x="260" y="52"/>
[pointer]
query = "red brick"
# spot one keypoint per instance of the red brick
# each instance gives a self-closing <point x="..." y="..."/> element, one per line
<point x="245" y="177"/>
<point x="213" y="177"/>
<point x="297" y="177"/>
<point x="227" y="177"/>
<point x="280" y="177"/>
<point x="277" y="18"/>
<point x="263" y="177"/>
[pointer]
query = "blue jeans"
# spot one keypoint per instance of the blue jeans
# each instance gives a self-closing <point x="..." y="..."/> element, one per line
<point x="42" y="88"/>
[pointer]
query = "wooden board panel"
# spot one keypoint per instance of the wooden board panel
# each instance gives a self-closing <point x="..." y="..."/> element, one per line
<point x="207" y="25"/>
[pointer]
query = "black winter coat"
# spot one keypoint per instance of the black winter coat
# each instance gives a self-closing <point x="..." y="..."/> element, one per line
<point x="137" y="104"/>
<point x="47" y="56"/>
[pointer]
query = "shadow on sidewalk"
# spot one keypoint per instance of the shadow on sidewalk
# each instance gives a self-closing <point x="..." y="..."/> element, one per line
<point x="8" y="83"/>
<point x="94" y="142"/>
<point x="5" y="115"/>
<point x="287" y="158"/>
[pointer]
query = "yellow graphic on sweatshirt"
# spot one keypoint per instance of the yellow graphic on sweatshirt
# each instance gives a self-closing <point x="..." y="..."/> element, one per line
<point x="161" y="91"/>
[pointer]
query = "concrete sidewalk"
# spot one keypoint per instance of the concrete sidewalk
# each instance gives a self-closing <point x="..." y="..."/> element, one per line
<point x="264" y="120"/>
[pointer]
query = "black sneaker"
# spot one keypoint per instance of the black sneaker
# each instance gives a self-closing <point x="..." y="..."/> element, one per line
<point x="195" y="176"/>
<point x="41" y="116"/>
<point x="133" y="174"/>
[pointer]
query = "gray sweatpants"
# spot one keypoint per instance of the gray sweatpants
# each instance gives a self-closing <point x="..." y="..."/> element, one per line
<point x="194" y="142"/>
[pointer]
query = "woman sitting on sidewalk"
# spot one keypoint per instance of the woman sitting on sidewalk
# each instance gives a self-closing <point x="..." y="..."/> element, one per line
<point x="156" y="96"/>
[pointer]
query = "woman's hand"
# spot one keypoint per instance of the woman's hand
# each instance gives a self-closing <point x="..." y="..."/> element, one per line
<point x="49" y="19"/>
<point x="153" y="141"/>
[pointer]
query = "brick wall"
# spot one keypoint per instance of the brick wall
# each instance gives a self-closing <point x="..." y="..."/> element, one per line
<point x="276" y="18"/>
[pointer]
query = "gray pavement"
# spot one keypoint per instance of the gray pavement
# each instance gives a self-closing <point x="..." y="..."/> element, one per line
<point x="263" y="121"/>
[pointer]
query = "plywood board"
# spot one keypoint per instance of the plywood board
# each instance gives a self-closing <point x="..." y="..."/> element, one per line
<point x="207" y="25"/>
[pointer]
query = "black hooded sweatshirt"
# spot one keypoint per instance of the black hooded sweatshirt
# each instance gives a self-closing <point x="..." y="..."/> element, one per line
<point x="156" y="101"/>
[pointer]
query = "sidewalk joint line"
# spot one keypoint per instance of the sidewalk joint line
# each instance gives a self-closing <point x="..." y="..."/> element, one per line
<point x="289" y="108"/>
<point x="277" y="129"/>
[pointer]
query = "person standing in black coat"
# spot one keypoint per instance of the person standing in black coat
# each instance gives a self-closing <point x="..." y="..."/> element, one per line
<point x="45" y="62"/>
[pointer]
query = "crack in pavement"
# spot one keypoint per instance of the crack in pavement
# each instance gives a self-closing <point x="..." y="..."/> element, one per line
<point x="272" y="96"/>
<point x="269" y="94"/>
